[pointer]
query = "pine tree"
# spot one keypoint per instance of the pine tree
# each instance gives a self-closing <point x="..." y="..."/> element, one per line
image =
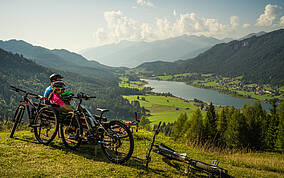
<point x="210" y="125"/>
<point x="236" y="130"/>
<point x="280" y="136"/>
<point x="195" y="132"/>
<point x="178" y="129"/>
<point x="222" y="125"/>
<point x="272" y="130"/>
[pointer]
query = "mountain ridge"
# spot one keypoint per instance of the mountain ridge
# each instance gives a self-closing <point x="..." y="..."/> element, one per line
<point x="131" y="54"/>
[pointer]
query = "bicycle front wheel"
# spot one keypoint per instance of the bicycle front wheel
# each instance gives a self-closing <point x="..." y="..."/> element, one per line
<point x="117" y="142"/>
<point x="71" y="131"/>
<point x="17" y="118"/>
<point x="46" y="125"/>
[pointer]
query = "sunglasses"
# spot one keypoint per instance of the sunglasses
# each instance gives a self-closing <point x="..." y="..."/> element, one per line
<point x="60" y="89"/>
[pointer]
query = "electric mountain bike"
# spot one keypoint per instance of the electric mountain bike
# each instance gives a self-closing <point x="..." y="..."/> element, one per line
<point x="42" y="118"/>
<point x="81" y="126"/>
<point x="193" y="165"/>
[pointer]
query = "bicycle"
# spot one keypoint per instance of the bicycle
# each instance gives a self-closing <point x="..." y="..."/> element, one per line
<point x="135" y="123"/>
<point x="115" y="138"/>
<point x="42" y="118"/>
<point x="194" y="165"/>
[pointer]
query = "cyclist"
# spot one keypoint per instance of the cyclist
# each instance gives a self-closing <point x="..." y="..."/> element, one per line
<point x="67" y="98"/>
<point x="58" y="87"/>
<point x="48" y="90"/>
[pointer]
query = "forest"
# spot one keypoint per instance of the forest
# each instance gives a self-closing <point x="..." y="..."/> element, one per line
<point x="248" y="128"/>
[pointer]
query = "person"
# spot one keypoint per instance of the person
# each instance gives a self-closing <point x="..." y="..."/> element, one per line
<point x="48" y="90"/>
<point x="67" y="98"/>
<point x="58" y="87"/>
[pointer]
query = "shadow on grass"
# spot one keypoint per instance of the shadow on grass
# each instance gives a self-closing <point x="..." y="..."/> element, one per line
<point x="88" y="151"/>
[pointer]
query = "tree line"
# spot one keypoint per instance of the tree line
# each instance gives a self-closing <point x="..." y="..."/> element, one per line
<point x="250" y="127"/>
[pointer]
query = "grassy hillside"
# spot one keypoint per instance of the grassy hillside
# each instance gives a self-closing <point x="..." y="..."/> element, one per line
<point x="24" y="157"/>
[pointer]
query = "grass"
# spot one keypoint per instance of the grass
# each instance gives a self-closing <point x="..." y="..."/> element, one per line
<point x="125" y="83"/>
<point x="162" y="108"/>
<point x="24" y="157"/>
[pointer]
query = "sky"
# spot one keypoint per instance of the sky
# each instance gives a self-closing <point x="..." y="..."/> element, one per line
<point x="78" y="24"/>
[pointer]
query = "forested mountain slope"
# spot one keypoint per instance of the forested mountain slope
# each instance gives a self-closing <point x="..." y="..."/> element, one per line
<point x="18" y="71"/>
<point x="59" y="59"/>
<point x="259" y="59"/>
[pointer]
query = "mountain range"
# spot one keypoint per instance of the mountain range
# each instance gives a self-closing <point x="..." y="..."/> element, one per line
<point x="131" y="54"/>
<point x="260" y="59"/>
<point x="59" y="59"/>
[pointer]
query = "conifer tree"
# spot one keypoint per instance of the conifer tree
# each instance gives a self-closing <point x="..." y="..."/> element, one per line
<point x="272" y="130"/>
<point x="280" y="136"/>
<point x="210" y="125"/>
<point x="178" y="129"/>
<point x="235" y="132"/>
<point x="222" y="125"/>
<point x="195" y="132"/>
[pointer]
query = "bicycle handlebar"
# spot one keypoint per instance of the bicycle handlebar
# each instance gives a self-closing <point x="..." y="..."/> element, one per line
<point x="25" y="92"/>
<point x="83" y="96"/>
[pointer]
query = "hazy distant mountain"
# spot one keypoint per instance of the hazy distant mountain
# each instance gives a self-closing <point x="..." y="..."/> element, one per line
<point x="259" y="59"/>
<point x="226" y="40"/>
<point x="252" y="34"/>
<point x="58" y="59"/>
<point x="131" y="54"/>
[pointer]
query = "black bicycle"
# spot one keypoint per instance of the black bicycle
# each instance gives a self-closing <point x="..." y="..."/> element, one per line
<point x="81" y="126"/>
<point x="194" y="165"/>
<point x="42" y="118"/>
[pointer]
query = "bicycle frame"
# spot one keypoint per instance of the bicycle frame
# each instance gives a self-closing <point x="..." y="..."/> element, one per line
<point x="25" y="102"/>
<point x="169" y="153"/>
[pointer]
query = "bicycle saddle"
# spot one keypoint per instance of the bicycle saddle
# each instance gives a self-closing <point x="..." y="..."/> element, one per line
<point x="102" y="110"/>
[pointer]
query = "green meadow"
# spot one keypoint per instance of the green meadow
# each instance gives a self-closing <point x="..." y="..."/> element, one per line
<point x="163" y="108"/>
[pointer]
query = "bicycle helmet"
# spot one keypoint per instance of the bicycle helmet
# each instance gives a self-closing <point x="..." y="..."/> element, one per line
<point x="66" y="96"/>
<point x="58" y="84"/>
<point x="54" y="77"/>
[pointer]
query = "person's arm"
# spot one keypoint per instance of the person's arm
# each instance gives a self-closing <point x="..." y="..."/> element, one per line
<point x="66" y="107"/>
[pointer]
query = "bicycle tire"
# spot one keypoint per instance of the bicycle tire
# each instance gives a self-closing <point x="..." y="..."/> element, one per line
<point x="71" y="132"/>
<point x="117" y="149"/>
<point x="17" y="117"/>
<point x="45" y="119"/>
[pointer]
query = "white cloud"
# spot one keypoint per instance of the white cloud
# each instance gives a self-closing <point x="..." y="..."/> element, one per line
<point x="121" y="27"/>
<point x="246" y="25"/>
<point x="144" y="3"/>
<point x="234" y="20"/>
<point x="174" y="13"/>
<point x="281" y="23"/>
<point x="269" y="15"/>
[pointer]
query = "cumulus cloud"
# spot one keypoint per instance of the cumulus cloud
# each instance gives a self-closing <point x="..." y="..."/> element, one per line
<point x="246" y="25"/>
<point x="234" y="20"/>
<point x="269" y="15"/>
<point x="281" y="23"/>
<point x="174" y="13"/>
<point x="121" y="27"/>
<point x="144" y="3"/>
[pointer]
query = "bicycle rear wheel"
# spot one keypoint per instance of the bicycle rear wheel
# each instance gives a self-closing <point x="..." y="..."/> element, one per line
<point x="46" y="125"/>
<point x="71" y="131"/>
<point x="17" y="118"/>
<point x="117" y="142"/>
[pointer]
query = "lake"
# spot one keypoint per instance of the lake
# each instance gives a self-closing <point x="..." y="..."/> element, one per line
<point x="182" y="90"/>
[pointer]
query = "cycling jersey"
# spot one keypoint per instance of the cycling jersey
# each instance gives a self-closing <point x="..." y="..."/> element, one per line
<point x="56" y="99"/>
<point x="46" y="94"/>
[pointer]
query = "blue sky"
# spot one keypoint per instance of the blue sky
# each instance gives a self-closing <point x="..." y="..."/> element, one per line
<point x="75" y="25"/>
